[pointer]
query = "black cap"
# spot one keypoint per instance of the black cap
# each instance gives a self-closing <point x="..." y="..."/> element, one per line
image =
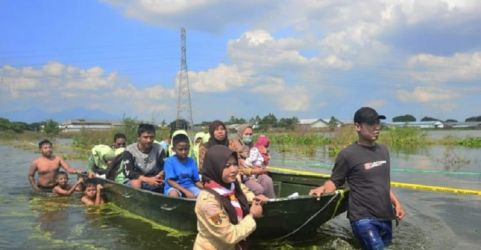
<point x="367" y="115"/>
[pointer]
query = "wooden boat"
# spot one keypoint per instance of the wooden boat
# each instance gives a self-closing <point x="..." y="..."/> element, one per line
<point x="284" y="217"/>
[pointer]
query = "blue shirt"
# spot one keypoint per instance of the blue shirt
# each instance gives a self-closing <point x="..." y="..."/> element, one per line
<point x="184" y="173"/>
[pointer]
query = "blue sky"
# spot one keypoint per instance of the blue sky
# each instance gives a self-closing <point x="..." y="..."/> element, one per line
<point x="301" y="58"/>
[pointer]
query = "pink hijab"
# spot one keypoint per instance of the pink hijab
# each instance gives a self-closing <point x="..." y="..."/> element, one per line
<point x="262" y="144"/>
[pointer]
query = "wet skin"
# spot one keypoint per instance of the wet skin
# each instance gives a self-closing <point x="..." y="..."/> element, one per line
<point x="47" y="167"/>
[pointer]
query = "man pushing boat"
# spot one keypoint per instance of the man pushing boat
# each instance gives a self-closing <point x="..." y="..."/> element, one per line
<point x="365" y="165"/>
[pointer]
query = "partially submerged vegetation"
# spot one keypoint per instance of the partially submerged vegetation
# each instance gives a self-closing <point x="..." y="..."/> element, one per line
<point x="405" y="139"/>
<point x="470" y="142"/>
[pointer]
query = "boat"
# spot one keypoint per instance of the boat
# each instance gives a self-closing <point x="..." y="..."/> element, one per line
<point x="294" y="214"/>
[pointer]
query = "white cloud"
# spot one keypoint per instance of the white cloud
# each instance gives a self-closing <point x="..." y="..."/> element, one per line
<point x="220" y="79"/>
<point x="288" y="98"/>
<point x="459" y="67"/>
<point x="211" y="15"/>
<point x="57" y="87"/>
<point x="376" y="103"/>
<point x="426" y="95"/>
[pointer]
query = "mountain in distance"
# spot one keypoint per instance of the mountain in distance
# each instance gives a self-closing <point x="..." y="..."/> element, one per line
<point x="35" y="115"/>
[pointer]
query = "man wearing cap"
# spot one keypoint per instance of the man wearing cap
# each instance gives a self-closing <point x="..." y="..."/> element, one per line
<point x="365" y="165"/>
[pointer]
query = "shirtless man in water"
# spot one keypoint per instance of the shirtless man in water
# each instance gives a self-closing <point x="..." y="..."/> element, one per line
<point x="47" y="166"/>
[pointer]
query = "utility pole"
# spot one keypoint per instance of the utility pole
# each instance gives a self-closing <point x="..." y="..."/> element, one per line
<point x="184" y="106"/>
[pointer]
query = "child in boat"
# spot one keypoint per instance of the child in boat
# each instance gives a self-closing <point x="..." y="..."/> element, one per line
<point x="92" y="193"/>
<point x="259" y="181"/>
<point x="181" y="174"/>
<point x="62" y="188"/>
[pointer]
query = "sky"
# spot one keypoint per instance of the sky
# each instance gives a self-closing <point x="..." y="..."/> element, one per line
<point x="304" y="58"/>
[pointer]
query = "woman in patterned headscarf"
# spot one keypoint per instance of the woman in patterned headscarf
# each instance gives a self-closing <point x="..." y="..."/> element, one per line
<point x="224" y="219"/>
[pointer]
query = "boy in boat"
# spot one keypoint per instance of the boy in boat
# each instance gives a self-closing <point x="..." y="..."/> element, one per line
<point x="62" y="188"/>
<point x="92" y="194"/>
<point x="47" y="166"/>
<point x="143" y="161"/>
<point x="365" y="165"/>
<point x="181" y="174"/>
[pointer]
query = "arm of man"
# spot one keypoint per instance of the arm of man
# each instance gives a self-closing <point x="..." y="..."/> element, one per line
<point x="67" y="167"/>
<point x="327" y="187"/>
<point x="400" y="213"/>
<point x="338" y="176"/>
<point x="31" y="176"/>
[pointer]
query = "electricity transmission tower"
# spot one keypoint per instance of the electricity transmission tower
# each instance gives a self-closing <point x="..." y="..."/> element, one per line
<point x="184" y="107"/>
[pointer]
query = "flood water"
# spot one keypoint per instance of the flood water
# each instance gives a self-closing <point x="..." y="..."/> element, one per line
<point x="434" y="220"/>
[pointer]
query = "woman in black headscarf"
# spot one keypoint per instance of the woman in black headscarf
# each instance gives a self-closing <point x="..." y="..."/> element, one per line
<point x="218" y="136"/>
<point x="224" y="218"/>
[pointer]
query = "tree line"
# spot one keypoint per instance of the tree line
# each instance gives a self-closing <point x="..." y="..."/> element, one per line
<point x="411" y="118"/>
<point x="49" y="127"/>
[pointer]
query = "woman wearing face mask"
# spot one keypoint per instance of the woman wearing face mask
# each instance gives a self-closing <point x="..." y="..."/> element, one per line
<point x="224" y="219"/>
<point x="242" y="142"/>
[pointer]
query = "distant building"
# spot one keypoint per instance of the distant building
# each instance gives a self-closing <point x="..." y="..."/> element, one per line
<point x="463" y="124"/>
<point x="78" y="124"/>
<point x="313" y="123"/>
<point x="426" y="124"/>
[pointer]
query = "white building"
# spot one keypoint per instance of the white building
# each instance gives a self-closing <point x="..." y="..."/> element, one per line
<point x="425" y="124"/>
<point x="78" y="124"/>
<point x="313" y="123"/>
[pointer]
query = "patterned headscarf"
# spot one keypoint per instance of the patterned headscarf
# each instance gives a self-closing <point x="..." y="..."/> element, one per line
<point x="214" y="163"/>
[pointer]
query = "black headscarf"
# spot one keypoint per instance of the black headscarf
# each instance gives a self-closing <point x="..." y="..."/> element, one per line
<point x="214" y="164"/>
<point x="212" y="141"/>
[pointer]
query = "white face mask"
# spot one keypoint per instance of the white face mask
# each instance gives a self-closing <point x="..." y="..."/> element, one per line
<point x="247" y="139"/>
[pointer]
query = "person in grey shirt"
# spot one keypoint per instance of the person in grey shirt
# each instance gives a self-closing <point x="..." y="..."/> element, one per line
<point x="144" y="161"/>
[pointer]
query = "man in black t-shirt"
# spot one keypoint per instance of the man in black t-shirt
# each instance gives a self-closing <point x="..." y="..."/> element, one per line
<point x="365" y="165"/>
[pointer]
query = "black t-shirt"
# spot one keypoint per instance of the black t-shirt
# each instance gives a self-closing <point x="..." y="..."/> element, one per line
<point x="367" y="171"/>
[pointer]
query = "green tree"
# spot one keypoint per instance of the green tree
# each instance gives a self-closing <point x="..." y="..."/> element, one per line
<point x="267" y="122"/>
<point x="429" y="119"/>
<point x="36" y="126"/>
<point x="5" y="124"/>
<point x="51" y="128"/>
<point x="473" y="119"/>
<point x="333" y="122"/>
<point x="19" y="127"/>
<point x="404" y="118"/>
<point x="179" y="124"/>
<point x="235" y="120"/>
<point x="288" y="123"/>
<point x="451" y="120"/>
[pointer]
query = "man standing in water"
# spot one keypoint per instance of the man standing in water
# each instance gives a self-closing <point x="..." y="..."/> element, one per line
<point x="365" y="165"/>
<point x="47" y="166"/>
